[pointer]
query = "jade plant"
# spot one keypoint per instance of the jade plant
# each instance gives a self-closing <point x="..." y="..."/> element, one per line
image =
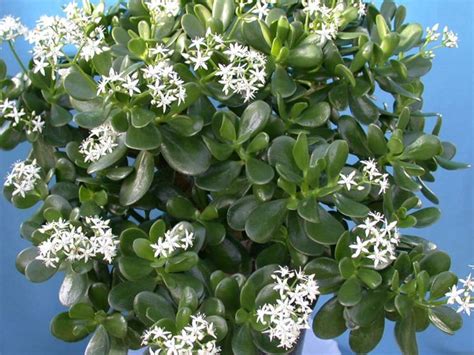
<point x="202" y="171"/>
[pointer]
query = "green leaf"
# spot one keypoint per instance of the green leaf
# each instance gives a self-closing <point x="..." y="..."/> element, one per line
<point x="350" y="207"/>
<point x="161" y="307"/>
<point x="242" y="342"/>
<point x="265" y="220"/>
<point x="445" y="318"/>
<point x="426" y="216"/>
<point x="188" y="156"/>
<point x="192" y="26"/>
<point x="256" y="281"/>
<point x="368" y="309"/>
<point x="116" y="325"/>
<point x="254" y="35"/>
<point x="227" y="290"/>
<point x="298" y="238"/>
<point x="254" y="118"/>
<point x="142" y="247"/>
<point x="442" y="283"/>
<point x="370" y="277"/>
<point x="144" y="138"/>
<point x="327" y="231"/>
<point x="122" y="295"/>
<point x="410" y="37"/>
<point x="99" y="343"/>
<point x="451" y="165"/>
<point x="67" y="329"/>
<point x="435" y="262"/>
<point x="134" y="268"/>
<point x="25" y="257"/>
<point x="305" y="56"/>
<point x="300" y="152"/>
<point x="337" y="154"/>
<point x="258" y="171"/>
<point x="239" y="212"/>
<point x="80" y="86"/>
<point x="219" y="176"/>
<point x="365" y="339"/>
<point x="73" y="287"/>
<point x="81" y="311"/>
<point x="97" y="294"/>
<point x="180" y="207"/>
<point x="308" y="209"/>
<point x="315" y="115"/>
<point x="364" y="110"/>
<point x="423" y="148"/>
<point x="223" y="10"/>
<point x="329" y="322"/>
<point x="37" y="271"/>
<point x="345" y="73"/>
<point x="137" y="184"/>
<point x="182" y="262"/>
<point x="282" y="83"/>
<point x="141" y="117"/>
<point x="350" y="292"/>
<point x="59" y="116"/>
<point x="326" y="273"/>
<point x="405" y="333"/>
<point x="90" y="119"/>
<point x="376" y="140"/>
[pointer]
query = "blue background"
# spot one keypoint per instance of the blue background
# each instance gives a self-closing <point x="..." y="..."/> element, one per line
<point x="26" y="308"/>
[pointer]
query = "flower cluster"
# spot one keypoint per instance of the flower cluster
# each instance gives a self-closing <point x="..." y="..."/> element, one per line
<point x="11" y="28"/>
<point x="164" y="84"/>
<point x="31" y="123"/>
<point x="101" y="141"/>
<point x="257" y="8"/>
<point x="201" y="49"/>
<point x="379" y="241"/>
<point x="23" y="177"/>
<point x="289" y="316"/>
<point x="245" y="72"/>
<point x="449" y="39"/>
<point x="462" y="296"/>
<point x="53" y="33"/>
<point x="118" y="82"/>
<point x="178" y="238"/>
<point x="370" y="175"/>
<point x="77" y="243"/>
<point x="196" y="338"/>
<point x="326" y="20"/>
<point x="158" y="8"/>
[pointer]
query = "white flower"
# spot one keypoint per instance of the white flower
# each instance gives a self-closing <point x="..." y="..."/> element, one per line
<point x="454" y="296"/>
<point x="11" y="28"/>
<point x="347" y="180"/>
<point x="450" y="39"/>
<point x="131" y="84"/>
<point x="432" y="34"/>
<point x="164" y="84"/>
<point x="379" y="241"/>
<point x="374" y="176"/>
<point x="245" y="73"/>
<point x="465" y="305"/>
<point x="23" y="177"/>
<point x="468" y="283"/>
<point x="158" y="8"/>
<point x="359" y="247"/>
<point x="189" y="341"/>
<point x="178" y="238"/>
<point x="101" y="141"/>
<point x="201" y="49"/>
<point x="75" y="243"/>
<point x="289" y="316"/>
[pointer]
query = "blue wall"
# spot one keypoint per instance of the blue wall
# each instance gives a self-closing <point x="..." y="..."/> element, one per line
<point x="25" y="308"/>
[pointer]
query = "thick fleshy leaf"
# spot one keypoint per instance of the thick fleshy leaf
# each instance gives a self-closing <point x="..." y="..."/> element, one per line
<point x="265" y="220"/>
<point x="445" y="318"/>
<point x="99" y="344"/>
<point x="219" y="176"/>
<point x="329" y="322"/>
<point x="122" y="295"/>
<point x="188" y="156"/>
<point x="259" y="172"/>
<point x="67" y="329"/>
<point x="80" y="86"/>
<point x="137" y="184"/>
<point x="327" y="231"/>
<point x="253" y="119"/>
<point x="143" y="138"/>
